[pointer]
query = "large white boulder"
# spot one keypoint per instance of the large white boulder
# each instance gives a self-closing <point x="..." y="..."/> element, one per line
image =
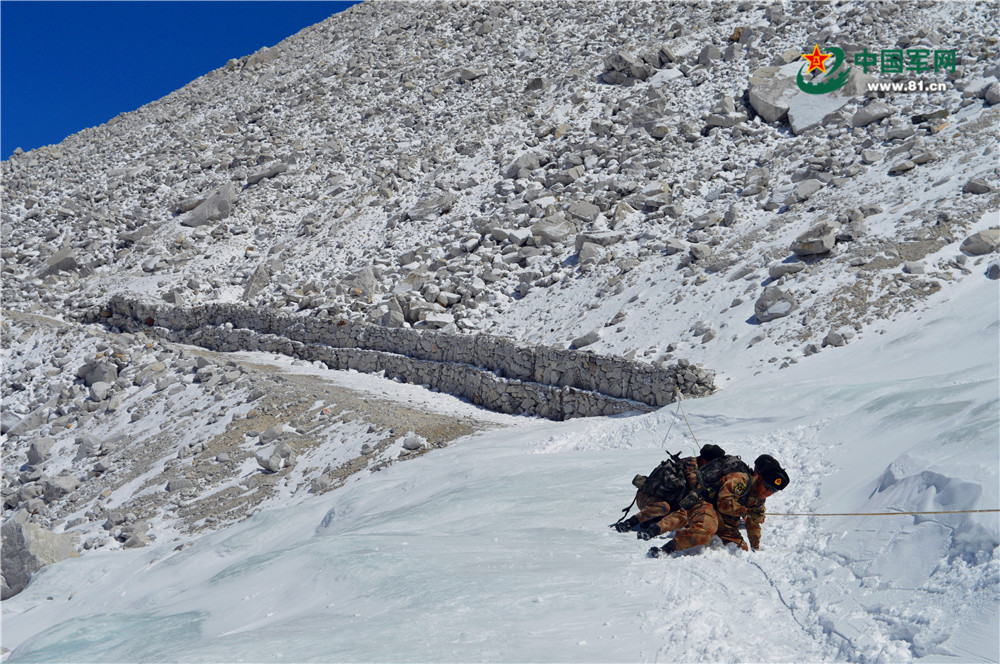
<point x="776" y="97"/>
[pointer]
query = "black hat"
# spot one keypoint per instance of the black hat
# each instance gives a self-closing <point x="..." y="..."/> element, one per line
<point x="775" y="478"/>
<point x="710" y="452"/>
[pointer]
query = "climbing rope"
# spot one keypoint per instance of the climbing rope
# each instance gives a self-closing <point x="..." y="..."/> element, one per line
<point x="877" y="513"/>
<point x="680" y="397"/>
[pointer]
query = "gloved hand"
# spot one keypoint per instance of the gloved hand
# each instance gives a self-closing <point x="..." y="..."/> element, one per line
<point x="626" y="525"/>
<point x="648" y="533"/>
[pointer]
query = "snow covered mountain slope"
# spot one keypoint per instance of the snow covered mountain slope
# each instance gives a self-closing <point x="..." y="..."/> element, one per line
<point x="623" y="179"/>
<point x="496" y="547"/>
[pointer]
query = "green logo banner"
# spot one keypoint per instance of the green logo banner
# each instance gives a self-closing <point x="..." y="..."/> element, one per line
<point x="833" y="80"/>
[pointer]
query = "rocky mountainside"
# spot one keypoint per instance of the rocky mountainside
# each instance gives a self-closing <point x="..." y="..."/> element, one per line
<point x="639" y="180"/>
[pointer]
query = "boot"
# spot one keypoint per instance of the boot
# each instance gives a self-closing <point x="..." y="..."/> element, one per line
<point x="662" y="551"/>
<point x="628" y="524"/>
<point x="648" y="531"/>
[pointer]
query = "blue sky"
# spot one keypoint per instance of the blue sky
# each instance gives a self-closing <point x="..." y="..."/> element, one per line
<point x="65" y="66"/>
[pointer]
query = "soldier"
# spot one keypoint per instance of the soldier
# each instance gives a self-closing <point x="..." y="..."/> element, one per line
<point x="724" y="502"/>
<point x="656" y="515"/>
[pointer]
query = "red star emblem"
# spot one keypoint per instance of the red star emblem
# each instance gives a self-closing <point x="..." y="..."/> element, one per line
<point x="816" y="59"/>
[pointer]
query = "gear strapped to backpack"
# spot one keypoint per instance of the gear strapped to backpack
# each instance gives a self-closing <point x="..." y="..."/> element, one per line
<point x="710" y="476"/>
<point x="667" y="481"/>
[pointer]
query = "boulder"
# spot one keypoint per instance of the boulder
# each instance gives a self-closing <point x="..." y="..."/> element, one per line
<point x="568" y="176"/>
<point x="977" y="186"/>
<point x="282" y="456"/>
<point x="413" y="442"/>
<point x="817" y="240"/>
<point x="587" y="339"/>
<point x="902" y="167"/>
<point x="775" y="96"/>
<point x="437" y="320"/>
<point x="773" y="303"/>
<point x="468" y="74"/>
<point x="39" y="450"/>
<point x="991" y="93"/>
<point x="873" y="112"/>
<point x="101" y="371"/>
<point x="526" y="162"/>
<point x="779" y="270"/>
<point x="99" y="391"/>
<point x="591" y="253"/>
<point x="600" y="238"/>
<point x="26" y="549"/>
<point x="263" y="56"/>
<point x="981" y="243"/>
<point x="55" y="488"/>
<point x="361" y="285"/>
<point x="584" y="210"/>
<point x="258" y="282"/>
<point x="552" y="230"/>
<point x="674" y="246"/>
<point x="431" y="207"/>
<point x="267" y="172"/>
<point x="628" y="65"/>
<point x="699" y="251"/>
<point x="179" y="484"/>
<point x="216" y="207"/>
<point x="64" y="260"/>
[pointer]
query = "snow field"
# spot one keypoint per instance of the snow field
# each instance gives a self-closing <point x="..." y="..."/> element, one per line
<point x="497" y="547"/>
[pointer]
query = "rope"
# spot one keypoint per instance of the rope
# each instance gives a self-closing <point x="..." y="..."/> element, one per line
<point x="680" y="398"/>
<point x="876" y="513"/>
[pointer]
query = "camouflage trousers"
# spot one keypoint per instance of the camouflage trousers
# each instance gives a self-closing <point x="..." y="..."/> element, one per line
<point x="660" y="512"/>
<point x="704" y="523"/>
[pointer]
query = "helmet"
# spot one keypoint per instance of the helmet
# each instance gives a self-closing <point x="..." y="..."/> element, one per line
<point x="710" y="452"/>
<point x="774" y="476"/>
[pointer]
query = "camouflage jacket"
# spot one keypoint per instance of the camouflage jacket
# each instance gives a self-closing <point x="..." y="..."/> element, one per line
<point x="735" y="500"/>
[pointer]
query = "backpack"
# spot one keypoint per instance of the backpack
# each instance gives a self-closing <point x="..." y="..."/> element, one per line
<point x="667" y="481"/>
<point x="710" y="476"/>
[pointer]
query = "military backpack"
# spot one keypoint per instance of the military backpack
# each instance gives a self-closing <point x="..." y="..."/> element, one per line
<point x="710" y="476"/>
<point x="667" y="482"/>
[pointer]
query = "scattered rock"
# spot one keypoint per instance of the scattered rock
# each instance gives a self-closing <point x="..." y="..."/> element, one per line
<point x="773" y="303"/>
<point x="267" y="172"/>
<point x="874" y="112"/>
<point x="819" y="239"/>
<point x="217" y="206"/>
<point x="27" y="548"/>
<point x="977" y="186"/>
<point x="983" y="242"/>
<point x="39" y="450"/>
<point x="778" y="270"/>
<point x="413" y="442"/>
<point x="180" y="484"/>
<point x="902" y="167"/>
<point x="587" y="339"/>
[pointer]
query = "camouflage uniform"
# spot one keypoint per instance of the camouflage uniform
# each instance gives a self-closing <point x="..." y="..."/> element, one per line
<point x="666" y="517"/>
<point x="736" y="498"/>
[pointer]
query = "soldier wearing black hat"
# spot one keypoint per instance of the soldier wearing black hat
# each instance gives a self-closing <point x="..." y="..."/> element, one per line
<point x="738" y="495"/>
